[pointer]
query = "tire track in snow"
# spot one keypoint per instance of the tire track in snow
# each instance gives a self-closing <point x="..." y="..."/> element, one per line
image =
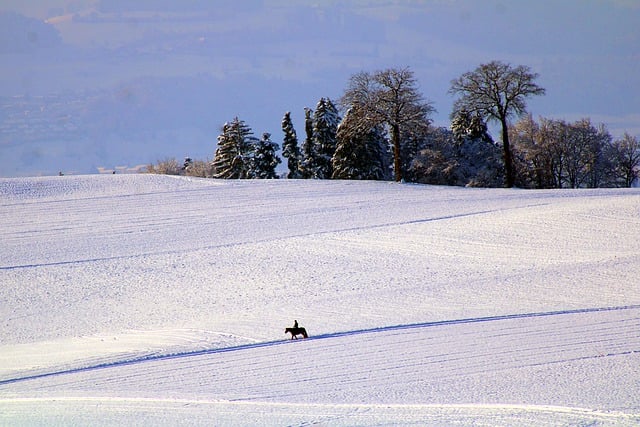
<point x="510" y="334"/>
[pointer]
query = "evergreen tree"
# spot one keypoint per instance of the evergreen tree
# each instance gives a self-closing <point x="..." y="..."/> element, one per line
<point x="224" y="157"/>
<point x="361" y="153"/>
<point x="290" y="149"/>
<point x="478" y="157"/>
<point x="467" y="126"/>
<point x="325" y="125"/>
<point x="412" y="141"/>
<point x="265" y="159"/>
<point x="308" y="165"/>
<point x="461" y="156"/>
<point x="436" y="163"/>
<point x="234" y="155"/>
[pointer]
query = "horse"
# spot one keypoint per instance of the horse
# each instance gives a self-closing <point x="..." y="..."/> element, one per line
<point x="296" y="331"/>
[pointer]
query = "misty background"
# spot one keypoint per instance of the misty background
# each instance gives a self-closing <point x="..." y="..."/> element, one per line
<point x="91" y="86"/>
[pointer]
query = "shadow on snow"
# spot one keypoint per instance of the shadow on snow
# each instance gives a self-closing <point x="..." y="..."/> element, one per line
<point x="152" y="358"/>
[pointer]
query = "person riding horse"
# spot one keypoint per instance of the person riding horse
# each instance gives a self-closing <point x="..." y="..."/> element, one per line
<point x="296" y="330"/>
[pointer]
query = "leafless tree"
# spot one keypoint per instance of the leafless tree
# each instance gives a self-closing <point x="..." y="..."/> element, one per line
<point x="626" y="158"/>
<point x="497" y="91"/>
<point x="389" y="98"/>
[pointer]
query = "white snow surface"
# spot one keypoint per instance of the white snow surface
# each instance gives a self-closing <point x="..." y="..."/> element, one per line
<point x="158" y="300"/>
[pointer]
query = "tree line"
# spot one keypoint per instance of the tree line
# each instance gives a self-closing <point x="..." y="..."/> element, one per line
<point x="385" y="133"/>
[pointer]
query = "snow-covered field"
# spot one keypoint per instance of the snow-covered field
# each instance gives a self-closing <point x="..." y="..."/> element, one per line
<point x="157" y="300"/>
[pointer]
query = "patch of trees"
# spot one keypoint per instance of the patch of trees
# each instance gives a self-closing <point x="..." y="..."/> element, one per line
<point x="240" y="155"/>
<point x="559" y="154"/>
<point x="385" y="133"/>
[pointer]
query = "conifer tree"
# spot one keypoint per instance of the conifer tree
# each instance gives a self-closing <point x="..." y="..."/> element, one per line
<point x="290" y="149"/>
<point x="235" y="151"/>
<point x="361" y="152"/>
<point x="325" y="125"/>
<point x="265" y="159"/>
<point x="476" y="156"/>
<point x="467" y="126"/>
<point x="308" y="165"/>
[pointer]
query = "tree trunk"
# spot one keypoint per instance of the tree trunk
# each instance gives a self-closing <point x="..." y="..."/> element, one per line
<point x="510" y="176"/>
<point x="397" y="164"/>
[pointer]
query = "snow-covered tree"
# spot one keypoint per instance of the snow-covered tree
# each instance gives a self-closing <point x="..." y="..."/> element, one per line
<point x="290" y="149"/>
<point x="437" y="163"/>
<point x="557" y="154"/>
<point x="325" y="125"/>
<point x="476" y="154"/>
<point x="265" y="159"/>
<point x="361" y="152"/>
<point x="234" y="155"/>
<point x="462" y="161"/>
<point x="308" y="165"/>
<point x="584" y="154"/>
<point x="469" y="126"/>
<point x="497" y="91"/>
<point x="412" y="141"/>
<point x="390" y="98"/>
<point x="538" y="153"/>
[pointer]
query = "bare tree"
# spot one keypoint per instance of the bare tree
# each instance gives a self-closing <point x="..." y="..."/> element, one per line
<point x="389" y="98"/>
<point x="626" y="159"/>
<point x="497" y="91"/>
<point x="540" y="151"/>
<point x="557" y="154"/>
<point x="165" y="167"/>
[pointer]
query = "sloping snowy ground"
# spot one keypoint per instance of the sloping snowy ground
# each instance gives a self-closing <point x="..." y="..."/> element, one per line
<point x="138" y="299"/>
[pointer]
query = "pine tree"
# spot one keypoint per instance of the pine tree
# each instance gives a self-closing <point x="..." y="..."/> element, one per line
<point x="476" y="156"/>
<point x="265" y="159"/>
<point x="235" y="151"/>
<point x="308" y="165"/>
<point x="290" y="149"/>
<point x="465" y="125"/>
<point x="325" y="125"/>
<point x="224" y="157"/>
<point x="361" y="153"/>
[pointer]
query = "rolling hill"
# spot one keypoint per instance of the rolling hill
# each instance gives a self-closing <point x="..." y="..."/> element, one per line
<point x="141" y="299"/>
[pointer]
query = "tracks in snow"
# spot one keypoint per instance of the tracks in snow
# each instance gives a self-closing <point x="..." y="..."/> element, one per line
<point x="545" y="368"/>
<point x="601" y="339"/>
<point x="289" y="235"/>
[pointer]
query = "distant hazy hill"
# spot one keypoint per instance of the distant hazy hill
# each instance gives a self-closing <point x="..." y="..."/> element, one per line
<point x="19" y="34"/>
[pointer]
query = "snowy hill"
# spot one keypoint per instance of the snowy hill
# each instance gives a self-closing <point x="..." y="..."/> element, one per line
<point x="158" y="300"/>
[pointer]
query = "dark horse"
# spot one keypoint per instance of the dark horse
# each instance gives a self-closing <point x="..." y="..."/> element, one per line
<point x="296" y="331"/>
